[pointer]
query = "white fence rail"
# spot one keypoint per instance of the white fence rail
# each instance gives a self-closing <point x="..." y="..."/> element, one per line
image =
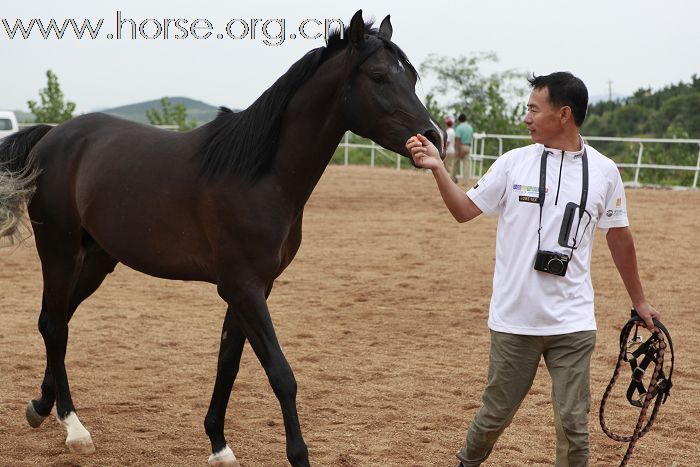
<point x="478" y="155"/>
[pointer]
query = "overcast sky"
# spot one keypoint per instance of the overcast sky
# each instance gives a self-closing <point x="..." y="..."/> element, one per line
<point x="633" y="43"/>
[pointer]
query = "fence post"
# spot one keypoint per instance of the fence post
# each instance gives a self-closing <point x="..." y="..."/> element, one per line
<point x="697" y="168"/>
<point x="371" y="156"/>
<point x="639" y="163"/>
<point x="347" y="133"/>
<point x="481" y="160"/>
<point x="398" y="162"/>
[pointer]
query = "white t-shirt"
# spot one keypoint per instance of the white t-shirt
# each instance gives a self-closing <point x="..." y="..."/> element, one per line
<point x="530" y="302"/>
<point x="450" y="140"/>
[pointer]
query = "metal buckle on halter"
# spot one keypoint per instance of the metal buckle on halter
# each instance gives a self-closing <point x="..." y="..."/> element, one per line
<point x="634" y="343"/>
<point x="638" y="374"/>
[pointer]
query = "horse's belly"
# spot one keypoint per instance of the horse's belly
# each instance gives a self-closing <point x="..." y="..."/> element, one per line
<point x="153" y="240"/>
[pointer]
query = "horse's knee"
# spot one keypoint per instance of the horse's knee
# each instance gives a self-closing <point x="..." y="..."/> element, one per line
<point x="54" y="332"/>
<point x="282" y="381"/>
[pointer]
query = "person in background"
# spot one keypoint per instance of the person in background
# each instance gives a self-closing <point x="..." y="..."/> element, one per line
<point x="463" y="145"/>
<point x="542" y="302"/>
<point x="450" y="160"/>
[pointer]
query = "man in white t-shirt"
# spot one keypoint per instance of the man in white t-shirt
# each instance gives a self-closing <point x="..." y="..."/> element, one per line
<point x="542" y="302"/>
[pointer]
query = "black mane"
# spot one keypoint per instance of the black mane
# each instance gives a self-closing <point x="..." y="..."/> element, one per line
<point x="244" y="143"/>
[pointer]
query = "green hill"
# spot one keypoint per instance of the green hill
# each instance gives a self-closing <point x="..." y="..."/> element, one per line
<point x="198" y="110"/>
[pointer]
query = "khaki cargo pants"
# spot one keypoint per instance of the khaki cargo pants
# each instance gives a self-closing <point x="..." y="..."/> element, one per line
<point x="513" y="362"/>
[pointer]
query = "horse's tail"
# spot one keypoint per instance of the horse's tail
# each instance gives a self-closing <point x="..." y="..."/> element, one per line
<point x="17" y="179"/>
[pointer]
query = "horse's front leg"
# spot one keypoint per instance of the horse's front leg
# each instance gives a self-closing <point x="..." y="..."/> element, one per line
<point x="249" y="311"/>
<point x="230" y="350"/>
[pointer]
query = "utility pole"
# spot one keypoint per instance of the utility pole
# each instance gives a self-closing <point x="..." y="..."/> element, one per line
<point x="609" y="91"/>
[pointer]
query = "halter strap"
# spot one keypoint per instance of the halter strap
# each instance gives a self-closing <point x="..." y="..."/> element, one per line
<point x="649" y="352"/>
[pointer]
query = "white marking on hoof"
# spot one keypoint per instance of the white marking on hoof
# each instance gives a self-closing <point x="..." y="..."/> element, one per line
<point x="223" y="458"/>
<point x="33" y="418"/>
<point x="78" y="440"/>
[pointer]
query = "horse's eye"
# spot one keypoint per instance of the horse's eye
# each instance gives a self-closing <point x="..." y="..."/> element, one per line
<point x="378" y="77"/>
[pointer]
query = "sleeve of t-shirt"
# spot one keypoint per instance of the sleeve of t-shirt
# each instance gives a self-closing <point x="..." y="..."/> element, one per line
<point x="489" y="192"/>
<point x="615" y="210"/>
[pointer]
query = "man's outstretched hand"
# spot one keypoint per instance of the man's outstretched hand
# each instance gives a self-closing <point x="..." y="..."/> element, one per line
<point x="423" y="152"/>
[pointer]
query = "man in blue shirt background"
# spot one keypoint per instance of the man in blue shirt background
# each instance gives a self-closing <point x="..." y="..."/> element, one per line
<point x="463" y="143"/>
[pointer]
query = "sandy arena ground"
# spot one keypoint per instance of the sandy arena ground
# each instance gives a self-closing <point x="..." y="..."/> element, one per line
<point x="383" y="318"/>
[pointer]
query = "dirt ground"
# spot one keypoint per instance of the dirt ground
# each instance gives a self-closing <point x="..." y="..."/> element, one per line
<point x="383" y="318"/>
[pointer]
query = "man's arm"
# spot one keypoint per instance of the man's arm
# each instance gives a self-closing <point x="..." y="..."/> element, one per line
<point x="426" y="155"/>
<point x="623" y="253"/>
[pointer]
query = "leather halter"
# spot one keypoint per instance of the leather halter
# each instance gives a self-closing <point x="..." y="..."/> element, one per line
<point x="658" y="390"/>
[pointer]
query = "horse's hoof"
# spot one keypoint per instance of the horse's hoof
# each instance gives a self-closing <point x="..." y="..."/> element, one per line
<point x="33" y="418"/>
<point x="223" y="458"/>
<point x="81" y="446"/>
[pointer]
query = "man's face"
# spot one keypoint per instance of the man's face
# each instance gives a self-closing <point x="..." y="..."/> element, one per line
<point x="543" y="120"/>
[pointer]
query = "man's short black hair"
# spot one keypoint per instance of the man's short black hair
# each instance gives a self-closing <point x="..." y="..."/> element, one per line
<point x="564" y="89"/>
<point x="462" y="117"/>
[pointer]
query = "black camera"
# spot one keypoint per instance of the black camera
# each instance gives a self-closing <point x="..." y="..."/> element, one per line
<point x="551" y="262"/>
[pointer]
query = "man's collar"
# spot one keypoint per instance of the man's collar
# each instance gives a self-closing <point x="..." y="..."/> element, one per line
<point x="574" y="154"/>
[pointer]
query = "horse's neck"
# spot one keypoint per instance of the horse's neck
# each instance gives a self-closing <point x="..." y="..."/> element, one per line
<point x="312" y="128"/>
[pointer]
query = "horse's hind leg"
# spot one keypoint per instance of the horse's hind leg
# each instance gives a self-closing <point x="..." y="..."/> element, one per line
<point x="89" y="267"/>
<point x="96" y="265"/>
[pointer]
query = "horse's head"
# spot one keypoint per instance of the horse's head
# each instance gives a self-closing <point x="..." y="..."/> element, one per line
<point x="380" y="101"/>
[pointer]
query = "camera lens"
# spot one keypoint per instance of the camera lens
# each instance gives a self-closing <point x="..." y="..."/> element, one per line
<point x="555" y="266"/>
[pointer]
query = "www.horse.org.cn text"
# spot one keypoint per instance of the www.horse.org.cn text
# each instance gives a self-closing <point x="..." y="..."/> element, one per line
<point x="270" y="31"/>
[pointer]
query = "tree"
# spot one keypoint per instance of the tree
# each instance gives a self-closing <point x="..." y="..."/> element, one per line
<point x="671" y="112"/>
<point x="171" y="115"/>
<point x="493" y="103"/>
<point x="52" y="108"/>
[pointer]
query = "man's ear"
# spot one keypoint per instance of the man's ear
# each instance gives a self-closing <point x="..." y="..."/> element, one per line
<point x="566" y="114"/>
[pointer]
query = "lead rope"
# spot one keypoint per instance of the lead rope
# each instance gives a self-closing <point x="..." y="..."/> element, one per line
<point x="655" y="390"/>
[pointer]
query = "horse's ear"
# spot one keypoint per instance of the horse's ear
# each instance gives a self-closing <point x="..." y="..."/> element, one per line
<point x="385" y="29"/>
<point x="357" y="29"/>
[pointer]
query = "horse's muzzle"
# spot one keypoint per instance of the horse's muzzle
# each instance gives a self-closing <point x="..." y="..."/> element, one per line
<point x="438" y="139"/>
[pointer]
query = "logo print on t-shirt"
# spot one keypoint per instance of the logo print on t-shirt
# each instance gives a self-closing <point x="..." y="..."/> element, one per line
<point x="527" y="193"/>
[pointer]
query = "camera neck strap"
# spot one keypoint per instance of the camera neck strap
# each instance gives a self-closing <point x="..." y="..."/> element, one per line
<point x="543" y="182"/>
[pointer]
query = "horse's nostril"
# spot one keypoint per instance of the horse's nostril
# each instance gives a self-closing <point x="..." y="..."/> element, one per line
<point x="434" y="138"/>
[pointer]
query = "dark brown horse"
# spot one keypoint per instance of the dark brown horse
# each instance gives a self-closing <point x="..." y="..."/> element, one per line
<point x="221" y="204"/>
